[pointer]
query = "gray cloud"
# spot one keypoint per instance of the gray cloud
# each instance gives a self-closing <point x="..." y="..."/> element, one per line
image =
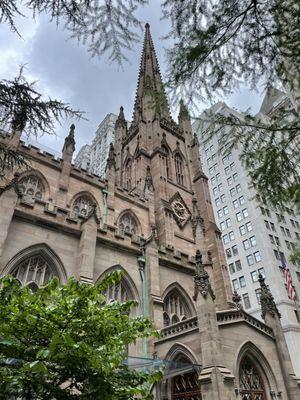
<point x="65" y="71"/>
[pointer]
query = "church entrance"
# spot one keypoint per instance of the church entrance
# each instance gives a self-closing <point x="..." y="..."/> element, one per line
<point x="186" y="387"/>
<point x="251" y="383"/>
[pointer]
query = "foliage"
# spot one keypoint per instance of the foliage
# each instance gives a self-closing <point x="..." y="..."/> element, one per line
<point x="24" y="109"/>
<point x="221" y="43"/>
<point x="294" y="257"/>
<point x="65" y="342"/>
<point x="104" y="25"/>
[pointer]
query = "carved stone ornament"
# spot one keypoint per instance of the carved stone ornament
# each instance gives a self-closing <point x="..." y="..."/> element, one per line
<point x="201" y="279"/>
<point x="197" y="220"/>
<point x="70" y="140"/>
<point x="111" y="160"/>
<point x="180" y="210"/>
<point x="236" y="298"/>
<point x="148" y="181"/>
<point x="267" y="302"/>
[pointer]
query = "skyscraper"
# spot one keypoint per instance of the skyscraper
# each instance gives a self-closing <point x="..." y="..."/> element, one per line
<point x="256" y="238"/>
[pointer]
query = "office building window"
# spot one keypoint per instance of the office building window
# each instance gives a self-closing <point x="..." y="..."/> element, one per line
<point x="227" y="170"/>
<point x="218" y="201"/>
<point x="257" y="256"/>
<point x="235" y="177"/>
<point x="257" y="293"/>
<point x="246" y="244"/>
<point x="272" y="239"/>
<point x="231" y="236"/>
<point x="232" y="192"/>
<point x="223" y="198"/>
<point x="234" y="250"/>
<point x="246" y="301"/>
<point x="238" y="188"/>
<point x="241" y="200"/>
<point x="228" y="222"/>
<point x="267" y="224"/>
<point x="238" y="265"/>
<point x="242" y="281"/>
<point x="242" y="230"/>
<point x="222" y="225"/>
<point x="254" y="276"/>
<point x="235" y="284"/>
<point x="239" y="216"/>
<point x="229" y="181"/>
<point x="272" y="226"/>
<point x="231" y="268"/>
<point x="252" y="240"/>
<point x="248" y="226"/>
<point x="226" y="239"/>
<point x="225" y="210"/>
<point x="235" y="204"/>
<point x="261" y="271"/>
<point x="250" y="259"/>
<point x="245" y="213"/>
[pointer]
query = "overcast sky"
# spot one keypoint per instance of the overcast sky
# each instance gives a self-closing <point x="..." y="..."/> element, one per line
<point x="65" y="71"/>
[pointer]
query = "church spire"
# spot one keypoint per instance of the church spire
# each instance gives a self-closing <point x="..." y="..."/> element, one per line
<point x="149" y="81"/>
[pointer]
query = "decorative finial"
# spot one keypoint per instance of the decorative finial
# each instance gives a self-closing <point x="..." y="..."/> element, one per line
<point x="236" y="298"/>
<point x="183" y="112"/>
<point x="147" y="26"/>
<point x="267" y="302"/>
<point x="70" y="139"/>
<point x="121" y="121"/>
<point x="201" y="279"/>
<point x="111" y="160"/>
<point x="148" y="181"/>
<point x="196" y="220"/>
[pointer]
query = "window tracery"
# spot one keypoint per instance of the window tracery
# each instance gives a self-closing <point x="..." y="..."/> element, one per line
<point x="34" y="272"/>
<point x="166" y="157"/>
<point x="251" y="384"/>
<point x="83" y="205"/>
<point x="179" y="168"/>
<point x="119" y="292"/>
<point x="32" y="186"/>
<point x="127" y="224"/>
<point x="175" y="308"/>
<point x="185" y="386"/>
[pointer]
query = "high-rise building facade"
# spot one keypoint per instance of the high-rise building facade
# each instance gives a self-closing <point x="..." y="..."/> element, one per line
<point x="93" y="157"/>
<point x="152" y="218"/>
<point x="256" y="238"/>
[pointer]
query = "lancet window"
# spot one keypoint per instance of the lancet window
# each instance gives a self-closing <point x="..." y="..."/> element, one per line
<point x="34" y="271"/>
<point x="175" y="308"/>
<point x="32" y="186"/>
<point x="251" y="384"/>
<point x="179" y="168"/>
<point x="83" y="205"/>
<point x="166" y="157"/>
<point x="128" y="224"/>
<point x="127" y="175"/>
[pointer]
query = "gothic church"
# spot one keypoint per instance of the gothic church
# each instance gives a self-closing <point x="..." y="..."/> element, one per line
<point x="152" y="217"/>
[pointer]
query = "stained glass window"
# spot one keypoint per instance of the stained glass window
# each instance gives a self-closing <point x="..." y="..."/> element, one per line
<point x="186" y="387"/>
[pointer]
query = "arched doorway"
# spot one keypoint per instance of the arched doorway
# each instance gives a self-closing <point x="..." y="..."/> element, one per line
<point x="251" y="382"/>
<point x="186" y="387"/>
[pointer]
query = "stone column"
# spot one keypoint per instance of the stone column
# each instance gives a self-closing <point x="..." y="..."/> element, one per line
<point x="87" y="247"/>
<point x="215" y="379"/>
<point x="8" y="201"/>
<point x="272" y="317"/>
<point x="111" y="185"/>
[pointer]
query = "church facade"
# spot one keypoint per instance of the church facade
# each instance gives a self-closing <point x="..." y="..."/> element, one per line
<point x="153" y="218"/>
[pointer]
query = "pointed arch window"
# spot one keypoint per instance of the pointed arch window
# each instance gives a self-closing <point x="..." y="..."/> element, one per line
<point x="175" y="308"/>
<point x="83" y="205"/>
<point x="179" y="168"/>
<point x="166" y="157"/>
<point x="127" y="175"/>
<point x="127" y="224"/>
<point x="251" y="384"/>
<point x="31" y="186"/>
<point x="34" y="272"/>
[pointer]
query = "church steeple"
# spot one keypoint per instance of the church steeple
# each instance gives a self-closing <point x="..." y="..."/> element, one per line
<point x="149" y="84"/>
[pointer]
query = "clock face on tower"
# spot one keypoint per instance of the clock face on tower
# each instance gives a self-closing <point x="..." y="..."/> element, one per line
<point x="180" y="210"/>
